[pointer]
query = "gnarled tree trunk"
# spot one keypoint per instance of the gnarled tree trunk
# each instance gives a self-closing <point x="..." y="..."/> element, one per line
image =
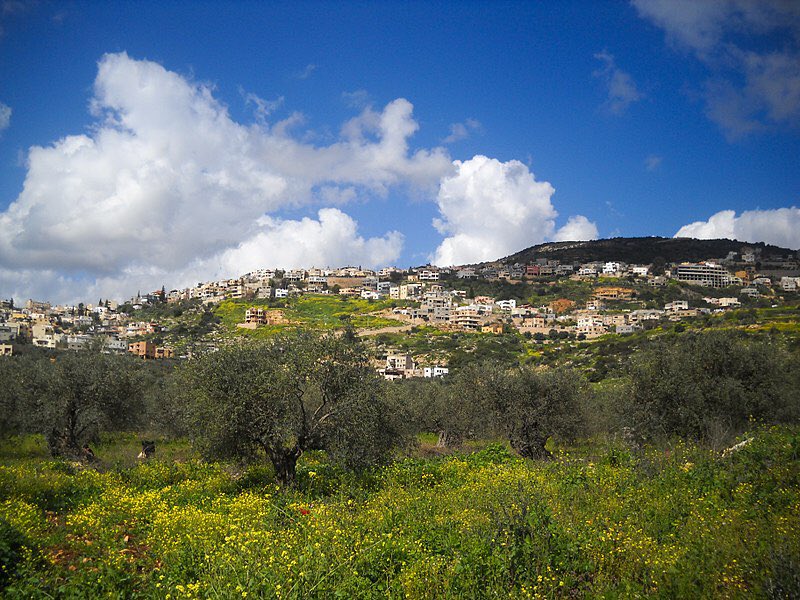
<point x="284" y="460"/>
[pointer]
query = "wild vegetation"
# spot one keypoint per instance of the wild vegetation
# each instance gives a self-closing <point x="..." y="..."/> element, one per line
<point x="598" y="520"/>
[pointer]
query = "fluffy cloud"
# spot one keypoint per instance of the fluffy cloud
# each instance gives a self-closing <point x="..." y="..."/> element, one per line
<point x="780" y="226"/>
<point x="621" y="88"/>
<point x="166" y="188"/>
<point x="752" y="52"/>
<point x="331" y="240"/>
<point x="490" y="209"/>
<point x="576" y="228"/>
<point x="167" y="179"/>
<point x="5" y="116"/>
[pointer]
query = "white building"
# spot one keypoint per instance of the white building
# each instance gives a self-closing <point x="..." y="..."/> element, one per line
<point x="506" y="305"/>
<point x="428" y="275"/>
<point x="677" y="305"/>
<point x="750" y="292"/>
<point x="790" y="284"/>
<point x="723" y="302"/>
<point x="435" y="371"/>
<point x="116" y="345"/>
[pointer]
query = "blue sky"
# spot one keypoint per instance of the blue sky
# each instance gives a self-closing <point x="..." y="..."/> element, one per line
<point x="148" y="143"/>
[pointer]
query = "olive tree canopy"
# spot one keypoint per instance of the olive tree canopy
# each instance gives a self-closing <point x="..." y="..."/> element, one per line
<point x="280" y="397"/>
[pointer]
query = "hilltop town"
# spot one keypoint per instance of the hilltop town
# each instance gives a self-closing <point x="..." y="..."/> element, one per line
<point x="543" y="301"/>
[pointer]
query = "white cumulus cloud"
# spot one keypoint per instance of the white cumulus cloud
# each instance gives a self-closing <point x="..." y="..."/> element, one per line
<point x="577" y="228"/>
<point x="780" y="226"/>
<point x="167" y="188"/>
<point x="490" y="209"/>
<point x="167" y="181"/>
<point x="331" y="240"/>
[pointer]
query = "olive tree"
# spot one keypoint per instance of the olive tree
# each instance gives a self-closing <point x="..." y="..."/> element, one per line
<point x="466" y="408"/>
<point x="280" y="397"/>
<point x="73" y="397"/>
<point x="527" y="405"/>
<point x="708" y="385"/>
<point x="21" y="382"/>
<point x="535" y="405"/>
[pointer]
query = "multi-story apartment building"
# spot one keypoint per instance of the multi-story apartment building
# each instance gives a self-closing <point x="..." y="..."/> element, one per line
<point x="676" y="306"/>
<point x="428" y="275"/>
<point x="143" y="349"/>
<point x="707" y="274"/>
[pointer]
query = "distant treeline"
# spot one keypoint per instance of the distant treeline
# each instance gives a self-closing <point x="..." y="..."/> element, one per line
<point x="644" y="250"/>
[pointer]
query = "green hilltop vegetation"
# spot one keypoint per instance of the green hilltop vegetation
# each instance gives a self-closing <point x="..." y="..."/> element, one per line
<point x="644" y="250"/>
<point x="190" y="324"/>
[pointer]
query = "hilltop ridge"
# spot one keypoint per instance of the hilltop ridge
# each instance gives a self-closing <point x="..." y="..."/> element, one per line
<point x="639" y="250"/>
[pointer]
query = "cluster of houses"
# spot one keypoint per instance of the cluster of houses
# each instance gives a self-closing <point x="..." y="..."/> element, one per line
<point x="599" y="315"/>
<point x="747" y="268"/>
<point x="433" y="295"/>
<point x="275" y="283"/>
<point x="76" y="328"/>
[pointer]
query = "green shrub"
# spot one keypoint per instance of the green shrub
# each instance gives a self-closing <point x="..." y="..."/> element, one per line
<point x="12" y="544"/>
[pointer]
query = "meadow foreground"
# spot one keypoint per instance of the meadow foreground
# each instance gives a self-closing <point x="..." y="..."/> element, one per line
<point x="599" y="519"/>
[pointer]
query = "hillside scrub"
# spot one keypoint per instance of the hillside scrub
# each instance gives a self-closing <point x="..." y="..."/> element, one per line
<point x="708" y="386"/>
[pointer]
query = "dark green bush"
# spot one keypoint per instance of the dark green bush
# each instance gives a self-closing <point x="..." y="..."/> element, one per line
<point x="12" y="543"/>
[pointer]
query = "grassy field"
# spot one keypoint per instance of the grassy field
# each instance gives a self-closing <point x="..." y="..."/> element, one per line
<point x="312" y="311"/>
<point x="599" y="520"/>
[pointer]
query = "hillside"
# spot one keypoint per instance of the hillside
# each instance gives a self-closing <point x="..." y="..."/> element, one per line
<point x="642" y="250"/>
